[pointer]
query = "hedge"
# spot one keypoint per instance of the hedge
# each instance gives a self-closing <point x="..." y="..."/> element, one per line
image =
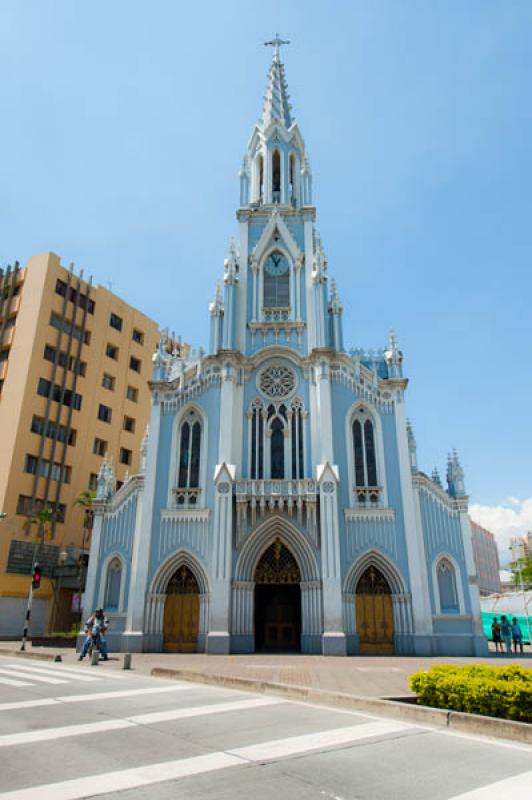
<point x="504" y="692"/>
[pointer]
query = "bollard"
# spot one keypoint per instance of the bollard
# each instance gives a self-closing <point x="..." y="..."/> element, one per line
<point x="95" y="657"/>
<point x="58" y="658"/>
<point x="127" y="661"/>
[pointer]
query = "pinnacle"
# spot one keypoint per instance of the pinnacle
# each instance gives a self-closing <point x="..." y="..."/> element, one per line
<point x="276" y="107"/>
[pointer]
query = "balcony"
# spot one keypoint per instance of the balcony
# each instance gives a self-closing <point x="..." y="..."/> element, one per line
<point x="256" y="498"/>
<point x="187" y="498"/>
<point x="368" y="496"/>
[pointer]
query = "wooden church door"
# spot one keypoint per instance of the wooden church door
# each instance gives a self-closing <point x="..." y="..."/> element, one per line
<point x="181" y="613"/>
<point x="374" y="614"/>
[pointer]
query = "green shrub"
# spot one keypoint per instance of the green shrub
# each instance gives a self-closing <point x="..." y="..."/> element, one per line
<point x="504" y="692"/>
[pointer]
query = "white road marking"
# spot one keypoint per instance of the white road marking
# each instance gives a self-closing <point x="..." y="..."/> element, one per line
<point x="518" y="787"/>
<point x="87" y="670"/>
<point x="82" y="698"/>
<point x="69" y="731"/>
<point x="112" y="782"/>
<point x="38" y="678"/>
<point x="73" y="675"/>
<point x="13" y="682"/>
<point x="317" y="741"/>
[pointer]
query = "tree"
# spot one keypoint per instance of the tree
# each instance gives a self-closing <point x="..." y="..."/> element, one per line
<point x="522" y="572"/>
<point x="43" y="521"/>
<point x="86" y="500"/>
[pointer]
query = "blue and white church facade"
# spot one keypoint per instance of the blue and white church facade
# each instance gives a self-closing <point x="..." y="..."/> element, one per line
<point x="279" y="505"/>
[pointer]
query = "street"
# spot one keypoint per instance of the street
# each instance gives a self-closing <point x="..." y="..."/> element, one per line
<point x="72" y="731"/>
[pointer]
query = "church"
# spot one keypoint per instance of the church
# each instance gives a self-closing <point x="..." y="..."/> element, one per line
<point x="279" y="506"/>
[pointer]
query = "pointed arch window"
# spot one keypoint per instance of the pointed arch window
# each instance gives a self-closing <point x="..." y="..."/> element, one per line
<point x="292" y="179"/>
<point x="188" y="480"/>
<point x="276" y="177"/>
<point x="446" y="577"/>
<point x="112" y="585"/>
<point x="257" y="441"/>
<point x="276" y="281"/>
<point x="277" y="448"/>
<point x="365" y="462"/>
<point x="259" y="178"/>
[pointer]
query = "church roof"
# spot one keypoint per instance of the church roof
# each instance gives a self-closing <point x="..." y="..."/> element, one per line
<point x="276" y="106"/>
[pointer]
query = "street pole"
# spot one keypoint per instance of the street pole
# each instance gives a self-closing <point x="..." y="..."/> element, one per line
<point x="30" y="599"/>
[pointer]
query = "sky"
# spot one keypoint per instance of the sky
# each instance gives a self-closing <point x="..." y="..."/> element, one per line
<point x="123" y="128"/>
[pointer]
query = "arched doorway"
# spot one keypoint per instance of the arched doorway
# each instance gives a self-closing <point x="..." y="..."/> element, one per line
<point x="374" y="613"/>
<point x="181" y="613"/>
<point x="277" y="600"/>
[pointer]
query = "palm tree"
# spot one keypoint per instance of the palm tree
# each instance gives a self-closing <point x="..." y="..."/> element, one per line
<point x="43" y="521"/>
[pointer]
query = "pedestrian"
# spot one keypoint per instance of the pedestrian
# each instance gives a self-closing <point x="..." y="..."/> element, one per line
<point x="506" y="633"/>
<point x="96" y="624"/>
<point x="517" y="635"/>
<point x="496" y="635"/>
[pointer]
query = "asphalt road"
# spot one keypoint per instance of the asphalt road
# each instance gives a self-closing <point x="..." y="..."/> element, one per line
<point x="74" y="732"/>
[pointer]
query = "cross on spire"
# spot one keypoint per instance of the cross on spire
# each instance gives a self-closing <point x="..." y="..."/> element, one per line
<point x="276" y="44"/>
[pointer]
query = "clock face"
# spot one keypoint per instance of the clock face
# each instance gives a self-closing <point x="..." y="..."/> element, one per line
<point x="276" y="264"/>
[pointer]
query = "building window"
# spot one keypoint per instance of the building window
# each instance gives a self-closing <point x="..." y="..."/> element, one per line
<point x="69" y="328"/>
<point x="65" y="396"/>
<point x="276" y="281"/>
<point x="134" y="364"/>
<point x="52" y="431"/>
<point x="93" y="482"/>
<point x="447" y="588"/>
<point x="125" y="456"/>
<point x="111" y="351"/>
<point x="115" y="322"/>
<point x="74" y="296"/>
<point x="189" y="458"/>
<point x="67" y="362"/>
<point x="99" y="448"/>
<point x="129" y="424"/>
<point x="112" y="585"/>
<point x="364" y="451"/>
<point x="132" y="394"/>
<point x="104" y="413"/>
<point x="26" y="508"/>
<point x="137" y="336"/>
<point x="108" y="382"/>
<point x="47" y="469"/>
<point x="277" y="448"/>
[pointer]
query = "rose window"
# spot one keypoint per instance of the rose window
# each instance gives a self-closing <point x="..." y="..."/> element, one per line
<point x="277" y="382"/>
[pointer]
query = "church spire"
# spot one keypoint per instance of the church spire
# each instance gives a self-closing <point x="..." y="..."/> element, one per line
<point x="276" y="106"/>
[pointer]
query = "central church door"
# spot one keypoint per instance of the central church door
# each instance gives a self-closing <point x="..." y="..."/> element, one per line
<point x="277" y="601"/>
<point x="374" y="614"/>
<point x="181" y="613"/>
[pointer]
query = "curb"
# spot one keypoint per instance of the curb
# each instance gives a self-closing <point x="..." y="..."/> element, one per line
<point x="457" y="721"/>
<point x="4" y="651"/>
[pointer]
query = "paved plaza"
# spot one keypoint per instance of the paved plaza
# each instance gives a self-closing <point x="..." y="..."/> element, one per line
<point x="362" y="676"/>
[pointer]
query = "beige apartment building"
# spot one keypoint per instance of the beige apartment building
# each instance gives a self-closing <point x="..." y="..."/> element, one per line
<point x="74" y="365"/>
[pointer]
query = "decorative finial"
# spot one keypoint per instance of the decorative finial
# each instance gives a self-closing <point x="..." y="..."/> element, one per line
<point x="436" y="477"/>
<point x="276" y="44"/>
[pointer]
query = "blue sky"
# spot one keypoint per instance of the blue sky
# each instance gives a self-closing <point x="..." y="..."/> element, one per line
<point x="124" y="125"/>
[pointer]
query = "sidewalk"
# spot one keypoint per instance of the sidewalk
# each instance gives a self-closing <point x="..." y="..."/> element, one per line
<point x="360" y="675"/>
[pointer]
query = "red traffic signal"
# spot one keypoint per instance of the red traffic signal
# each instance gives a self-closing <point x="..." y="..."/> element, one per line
<point x="36" y="576"/>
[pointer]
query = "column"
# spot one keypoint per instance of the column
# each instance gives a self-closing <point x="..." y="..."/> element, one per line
<point x="333" y="639"/>
<point x="218" y="638"/>
<point x="415" y="545"/>
<point x="140" y="560"/>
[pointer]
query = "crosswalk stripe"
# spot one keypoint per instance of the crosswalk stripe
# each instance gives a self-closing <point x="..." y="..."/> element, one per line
<point x="518" y="787"/>
<point x="69" y="731"/>
<point x="85" y="670"/>
<point x="316" y="741"/>
<point x="38" y="678"/>
<point x="112" y="782"/>
<point x="14" y="682"/>
<point x="82" y="698"/>
<point x="66" y="672"/>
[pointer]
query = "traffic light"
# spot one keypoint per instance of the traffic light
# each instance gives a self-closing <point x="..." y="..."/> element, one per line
<point x="36" y="577"/>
